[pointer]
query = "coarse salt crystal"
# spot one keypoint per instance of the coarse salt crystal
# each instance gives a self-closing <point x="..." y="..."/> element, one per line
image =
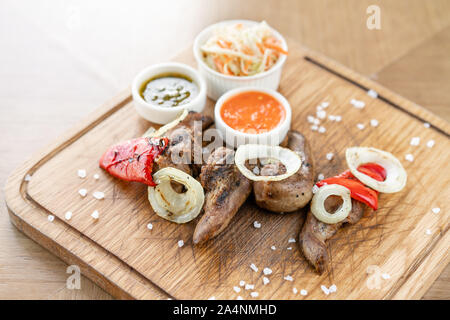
<point x="288" y="278"/>
<point x="303" y="292"/>
<point x="236" y="289"/>
<point x="242" y="283"/>
<point x="320" y="176"/>
<point x="322" y="129"/>
<point x="426" y="124"/>
<point x="321" y="114"/>
<point x="325" y="289"/>
<point x="316" y="122"/>
<point x="180" y="243"/>
<point x="436" y="210"/>
<point x="82" y="192"/>
<point x="27" y="178"/>
<point x="374" y="123"/>
<point x="310" y="119"/>
<point x="358" y="104"/>
<point x="331" y="117"/>
<point x="291" y="240"/>
<point x="51" y="217"/>
<point x="415" y="141"/>
<point x="249" y="286"/>
<point x="266" y="280"/>
<point x="253" y="267"/>
<point x="315" y="189"/>
<point x="330" y="156"/>
<point x="430" y="143"/>
<point x="82" y="173"/>
<point x="239" y="298"/>
<point x="68" y="215"/>
<point x="95" y="214"/>
<point x="149" y="226"/>
<point x="212" y="298"/>
<point x="338" y="118"/>
<point x="409" y="157"/>
<point x="254" y="294"/>
<point x="267" y="271"/>
<point x="428" y="231"/>
<point x="360" y="126"/>
<point x="273" y="248"/>
<point x="386" y="276"/>
<point x="98" y="195"/>
<point x="257" y="225"/>
<point x="372" y="93"/>
<point x="96" y="176"/>
<point x="294" y="290"/>
<point x="314" y="128"/>
<point x="333" y="288"/>
<point x="325" y="104"/>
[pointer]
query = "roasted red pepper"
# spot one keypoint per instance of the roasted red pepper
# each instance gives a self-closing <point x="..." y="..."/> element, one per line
<point x="133" y="160"/>
<point x="358" y="190"/>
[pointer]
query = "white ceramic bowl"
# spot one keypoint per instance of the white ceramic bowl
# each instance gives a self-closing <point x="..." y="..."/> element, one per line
<point x="235" y="138"/>
<point x="163" y="115"/>
<point x="219" y="83"/>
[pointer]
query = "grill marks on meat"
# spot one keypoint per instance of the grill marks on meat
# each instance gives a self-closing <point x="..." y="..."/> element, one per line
<point x="315" y="233"/>
<point x="226" y="190"/>
<point x="294" y="192"/>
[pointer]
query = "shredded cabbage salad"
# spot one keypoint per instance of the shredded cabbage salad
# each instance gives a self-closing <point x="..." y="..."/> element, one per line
<point x="239" y="50"/>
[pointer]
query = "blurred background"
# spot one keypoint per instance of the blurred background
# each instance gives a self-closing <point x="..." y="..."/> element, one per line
<point x="59" y="60"/>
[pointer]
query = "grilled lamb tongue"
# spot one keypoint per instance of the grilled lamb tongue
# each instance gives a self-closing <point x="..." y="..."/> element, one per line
<point x="294" y="192"/>
<point x="314" y="232"/>
<point x="226" y="190"/>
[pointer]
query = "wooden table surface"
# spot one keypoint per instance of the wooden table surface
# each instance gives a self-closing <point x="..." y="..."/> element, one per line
<point x="62" y="59"/>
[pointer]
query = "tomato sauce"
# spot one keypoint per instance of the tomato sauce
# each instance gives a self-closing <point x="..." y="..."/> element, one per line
<point x="252" y="112"/>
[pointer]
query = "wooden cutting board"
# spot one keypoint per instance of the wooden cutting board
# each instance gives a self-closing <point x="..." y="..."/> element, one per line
<point x="403" y="239"/>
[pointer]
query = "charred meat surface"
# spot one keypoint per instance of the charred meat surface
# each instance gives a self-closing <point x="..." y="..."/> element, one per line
<point x="294" y="192"/>
<point x="226" y="190"/>
<point x="315" y="233"/>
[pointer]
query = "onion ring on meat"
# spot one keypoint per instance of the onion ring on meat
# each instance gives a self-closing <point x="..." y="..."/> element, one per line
<point x="318" y="203"/>
<point x="287" y="157"/>
<point x="395" y="173"/>
<point x="151" y="132"/>
<point x="171" y="205"/>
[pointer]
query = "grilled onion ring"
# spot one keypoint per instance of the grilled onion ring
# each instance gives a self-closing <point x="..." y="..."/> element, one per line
<point x="171" y="205"/>
<point x="318" y="203"/>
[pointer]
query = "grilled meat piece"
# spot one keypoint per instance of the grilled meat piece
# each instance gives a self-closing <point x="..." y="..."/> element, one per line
<point x="294" y="192"/>
<point x="226" y="190"/>
<point x="185" y="144"/>
<point x="314" y="232"/>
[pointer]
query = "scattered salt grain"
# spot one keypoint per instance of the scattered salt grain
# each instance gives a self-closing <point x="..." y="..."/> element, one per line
<point x="436" y="210"/>
<point x="242" y="283"/>
<point x="82" y="173"/>
<point x="149" y="226"/>
<point x="254" y="294"/>
<point x="321" y="114"/>
<point x="98" y="195"/>
<point x="95" y="214"/>
<point x="266" y="280"/>
<point x="315" y="189"/>
<point x="338" y="118"/>
<point x="331" y="117"/>
<point x="320" y="176"/>
<point x="291" y="240"/>
<point x="303" y="292"/>
<point x="358" y="104"/>
<point x="426" y="124"/>
<point x="415" y="141"/>
<point x="330" y="156"/>
<point x="82" y="192"/>
<point x="333" y="288"/>
<point x="68" y="215"/>
<point x="27" y="178"/>
<point x="372" y="93"/>
<point x="360" y="126"/>
<point x="430" y="143"/>
<point x="180" y="243"/>
<point x="374" y="123"/>
<point x="428" y="231"/>
<point x="51" y="217"/>
<point x="239" y="298"/>
<point x="236" y="289"/>
<point x="322" y="129"/>
<point x="310" y="119"/>
<point x="316" y="122"/>
<point x="96" y="176"/>
<point x="288" y="278"/>
<point x="386" y="276"/>
<point x="253" y="267"/>
<point x="273" y="248"/>
<point x="294" y="290"/>
<point x="409" y="157"/>
<point x="314" y="128"/>
<point x="325" y="289"/>
<point x="257" y="225"/>
<point x="212" y="298"/>
<point x="267" y="271"/>
<point x="249" y="286"/>
<point x="325" y="104"/>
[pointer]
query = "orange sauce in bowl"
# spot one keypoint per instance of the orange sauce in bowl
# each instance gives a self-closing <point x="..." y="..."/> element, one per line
<point x="252" y="112"/>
